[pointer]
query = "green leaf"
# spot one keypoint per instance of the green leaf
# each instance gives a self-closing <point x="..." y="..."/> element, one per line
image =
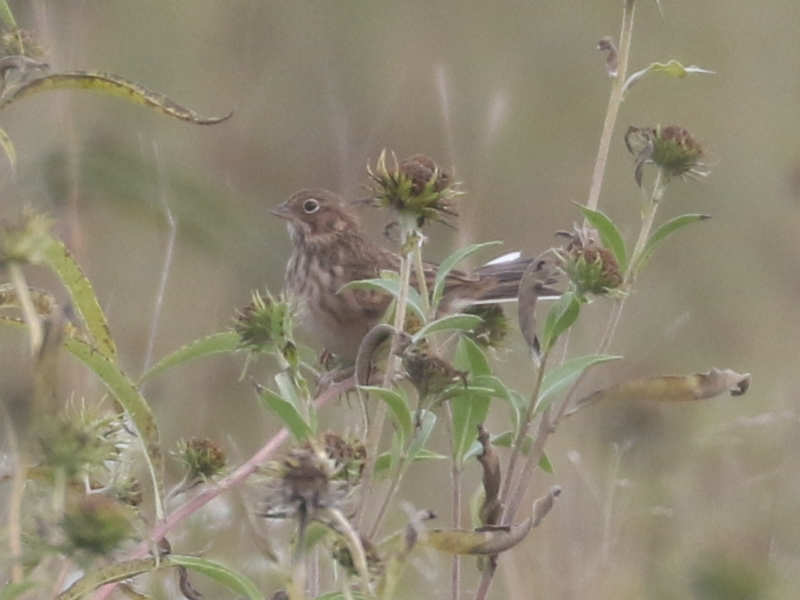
<point x="671" y="68"/>
<point x="8" y="148"/>
<point x="233" y="580"/>
<point x="134" y="404"/>
<point x="422" y="433"/>
<point x="665" y="231"/>
<point x="398" y="404"/>
<point x="560" y="317"/>
<point x="456" y="322"/>
<point x="556" y="379"/>
<point x="59" y="259"/>
<point x="449" y="263"/>
<point x="287" y="412"/>
<point x="216" y="343"/>
<point x="94" y="578"/>
<point x="470" y="357"/>
<point x="6" y="16"/>
<point x="391" y="286"/>
<point x="384" y="461"/>
<point x="15" y="590"/>
<point x="469" y="409"/>
<point x="110" y="85"/>
<point x="609" y="234"/>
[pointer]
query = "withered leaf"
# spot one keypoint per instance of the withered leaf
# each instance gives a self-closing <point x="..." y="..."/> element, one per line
<point x="675" y="388"/>
<point x="490" y="540"/>
<point x="540" y="274"/>
<point x="606" y="45"/>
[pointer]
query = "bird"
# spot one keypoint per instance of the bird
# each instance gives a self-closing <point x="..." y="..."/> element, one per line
<point x="330" y="250"/>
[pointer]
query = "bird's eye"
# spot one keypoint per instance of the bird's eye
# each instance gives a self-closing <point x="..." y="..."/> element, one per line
<point x="310" y="206"/>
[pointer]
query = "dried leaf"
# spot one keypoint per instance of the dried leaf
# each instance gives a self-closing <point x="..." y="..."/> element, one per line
<point x="492" y="540"/>
<point x="606" y="45"/>
<point x="491" y="509"/>
<point x="540" y="274"/>
<point x="675" y="388"/>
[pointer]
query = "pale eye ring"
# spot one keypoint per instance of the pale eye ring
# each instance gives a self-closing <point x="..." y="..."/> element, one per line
<point x="310" y="206"/>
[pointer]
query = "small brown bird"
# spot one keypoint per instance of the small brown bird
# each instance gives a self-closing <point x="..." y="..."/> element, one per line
<point x="330" y="250"/>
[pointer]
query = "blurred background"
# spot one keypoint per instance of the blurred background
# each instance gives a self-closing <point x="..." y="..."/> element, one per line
<point x="660" y="501"/>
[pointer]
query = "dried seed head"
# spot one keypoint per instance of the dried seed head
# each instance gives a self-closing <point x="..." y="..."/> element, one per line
<point x="202" y="457"/>
<point x="348" y="456"/>
<point x="305" y="478"/>
<point x="669" y="147"/>
<point x="493" y="328"/>
<point x="415" y="186"/>
<point x="96" y="524"/>
<point x="265" y="323"/>
<point x="429" y="373"/>
<point x="591" y="267"/>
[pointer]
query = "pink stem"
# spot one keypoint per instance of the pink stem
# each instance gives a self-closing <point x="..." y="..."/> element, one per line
<point x="239" y="475"/>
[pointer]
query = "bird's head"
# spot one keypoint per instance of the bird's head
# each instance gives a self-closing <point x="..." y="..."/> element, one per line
<point x="315" y="213"/>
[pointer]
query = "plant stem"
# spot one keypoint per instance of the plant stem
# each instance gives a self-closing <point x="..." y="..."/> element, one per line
<point x="523" y="432"/>
<point x="376" y="428"/>
<point x="614" y="103"/>
<point x="26" y="304"/>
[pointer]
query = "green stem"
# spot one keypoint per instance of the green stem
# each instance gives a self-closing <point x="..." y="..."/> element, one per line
<point x="523" y="432"/>
<point x="376" y="428"/>
<point x="614" y="103"/>
<point x="26" y="304"/>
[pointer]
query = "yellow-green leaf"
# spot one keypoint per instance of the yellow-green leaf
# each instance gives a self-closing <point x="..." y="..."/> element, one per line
<point x="111" y="85"/>
<point x="216" y="343"/>
<point x="676" y="388"/>
<point x="59" y="259"/>
<point x="8" y="148"/>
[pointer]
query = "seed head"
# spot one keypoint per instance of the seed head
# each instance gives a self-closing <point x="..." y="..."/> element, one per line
<point x="591" y="267"/>
<point x="202" y="457"/>
<point x="265" y="323"/>
<point x="415" y="186"/>
<point x="671" y="148"/>
<point x="96" y="524"/>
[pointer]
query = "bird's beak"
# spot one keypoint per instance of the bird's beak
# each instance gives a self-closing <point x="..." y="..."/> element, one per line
<point x="281" y="211"/>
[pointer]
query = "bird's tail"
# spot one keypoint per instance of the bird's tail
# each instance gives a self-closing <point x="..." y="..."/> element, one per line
<point x="507" y="275"/>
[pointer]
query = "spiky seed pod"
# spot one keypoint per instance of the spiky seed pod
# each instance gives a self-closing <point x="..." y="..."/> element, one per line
<point x="429" y="373"/>
<point x="73" y="446"/>
<point x="670" y="147"/>
<point x="305" y="478"/>
<point x="96" y="524"/>
<point x="348" y="456"/>
<point x="202" y="457"/>
<point x="26" y="240"/>
<point x="265" y="323"/>
<point x="591" y="267"/>
<point x="415" y="186"/>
